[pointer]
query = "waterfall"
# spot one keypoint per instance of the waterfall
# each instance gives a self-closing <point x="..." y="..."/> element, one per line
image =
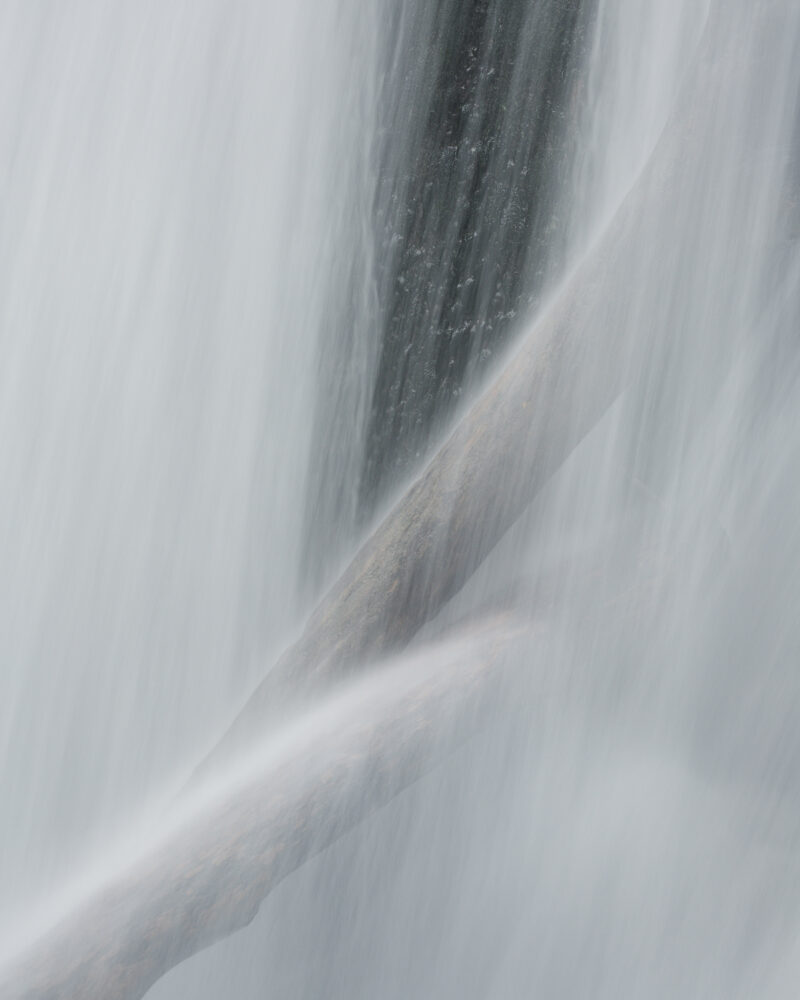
<point x="163" y="283"/>
<point x="258" y="262"/>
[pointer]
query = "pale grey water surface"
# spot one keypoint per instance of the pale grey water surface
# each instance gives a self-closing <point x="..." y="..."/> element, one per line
<point x="192" y="294"/>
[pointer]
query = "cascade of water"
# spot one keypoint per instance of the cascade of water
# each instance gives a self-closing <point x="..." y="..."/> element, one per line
<point x="163" y="274"/>
<point x="632" y="830"/>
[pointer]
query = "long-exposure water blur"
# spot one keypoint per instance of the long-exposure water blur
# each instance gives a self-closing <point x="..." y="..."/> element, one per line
<point x="399" y="499"/>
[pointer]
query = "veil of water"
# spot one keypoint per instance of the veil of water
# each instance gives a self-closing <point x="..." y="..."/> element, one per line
<point x="255" y="260"/>
<point x="173" y="191"/>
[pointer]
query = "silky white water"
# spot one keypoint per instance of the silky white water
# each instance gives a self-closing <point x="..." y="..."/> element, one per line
<point x="165" y="264"/>
<point x="191" y="279"/>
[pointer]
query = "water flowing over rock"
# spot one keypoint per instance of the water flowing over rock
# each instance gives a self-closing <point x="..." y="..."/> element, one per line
<point x="400" y="452"/>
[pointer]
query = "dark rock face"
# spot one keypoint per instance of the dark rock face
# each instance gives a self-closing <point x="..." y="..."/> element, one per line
<point x="470" y="125"/>
<point x="465" y="206"/>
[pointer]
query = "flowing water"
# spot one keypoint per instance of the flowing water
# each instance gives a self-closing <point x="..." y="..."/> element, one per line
<point x="255" y="258"/>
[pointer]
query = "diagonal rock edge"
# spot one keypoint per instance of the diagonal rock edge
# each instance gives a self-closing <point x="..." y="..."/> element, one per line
<point x="207" y="877"/>
<point x="570" y="367"/>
